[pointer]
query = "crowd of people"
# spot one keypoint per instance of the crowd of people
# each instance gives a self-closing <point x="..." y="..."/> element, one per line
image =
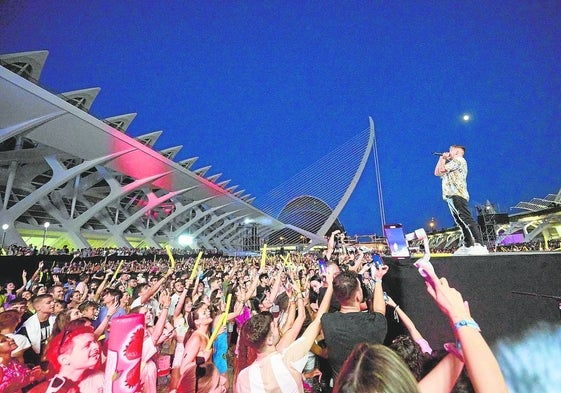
<point x="89" y="252"/>
<point x="275" y="323"/>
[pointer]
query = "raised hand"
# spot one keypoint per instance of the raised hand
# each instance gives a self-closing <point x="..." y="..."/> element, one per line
<point x="448" y="299"/>
<point x="165" y="299"/>
<point x="379" y="272"/>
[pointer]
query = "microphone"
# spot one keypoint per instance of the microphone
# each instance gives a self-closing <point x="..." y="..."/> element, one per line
<point x="437" y="154"/>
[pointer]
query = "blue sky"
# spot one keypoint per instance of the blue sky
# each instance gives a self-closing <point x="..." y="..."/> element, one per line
<point x="262" y="89"/>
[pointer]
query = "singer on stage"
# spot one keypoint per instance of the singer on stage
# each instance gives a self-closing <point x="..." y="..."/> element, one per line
<point x="452" y="169"/>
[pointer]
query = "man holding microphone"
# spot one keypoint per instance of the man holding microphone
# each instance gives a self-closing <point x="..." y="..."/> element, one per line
<point x="452" y="169"/>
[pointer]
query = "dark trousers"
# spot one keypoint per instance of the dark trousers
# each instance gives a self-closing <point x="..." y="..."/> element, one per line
<point x="462" y="216"/>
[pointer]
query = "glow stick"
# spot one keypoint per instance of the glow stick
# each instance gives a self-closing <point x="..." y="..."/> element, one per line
<point x="228" y="301"/>
<point x="221" y="322"/>
<point x="196" y="265"/>
<point x="118" y="270"/>
<point x="171" y="258"/>
<point x="214" y="334"/>
<point x="263" y="255"/>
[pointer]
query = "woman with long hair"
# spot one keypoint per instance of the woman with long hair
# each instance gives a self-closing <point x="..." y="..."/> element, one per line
<point x="374" y="368"/>
<point x="192" y="345"/>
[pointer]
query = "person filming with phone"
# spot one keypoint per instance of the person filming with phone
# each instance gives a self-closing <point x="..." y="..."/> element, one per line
<point x="452" y="169"/>
<point x="346" y="328"/>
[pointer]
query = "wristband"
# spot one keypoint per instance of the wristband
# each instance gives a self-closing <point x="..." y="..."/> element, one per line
<point x="466" y="322"/>
<point x="377" y="280"/>
<point x="395" y="315"/>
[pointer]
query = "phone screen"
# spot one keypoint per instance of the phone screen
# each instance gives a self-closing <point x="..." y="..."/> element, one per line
<point x="322" y="267"/>
<point x="377" y="260"/>
<point x="397" y="243"/>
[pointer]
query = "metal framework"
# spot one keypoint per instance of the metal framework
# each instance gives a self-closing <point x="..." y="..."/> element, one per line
<point x="312" y="200"/>
<point x="486" y="217"/>
<point x="97" y="186"/>
<point x="90" y="180"/>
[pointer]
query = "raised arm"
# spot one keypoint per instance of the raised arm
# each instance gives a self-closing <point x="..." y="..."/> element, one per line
<point x="275" y="288"/>
<point x="36" y="274"/>
<point x="331" y="244"/>
<point x="253" y="285"/>
<point x="154" y="288"/>
<point x="290" y="316"/>
<point x="483" y="368"/>
<point x="24" y="281"/>
<point x="181" y="301"/>
<point x="165" y="301"/>
<point x="102" y="327"/>
<point x="409" y="325"/>
<point x="102" y="286"/>
<point x="378" y="303"/>
<point x="294" y="329"/>
<point x="307" y="339"/>
<point x="195" y="286"/>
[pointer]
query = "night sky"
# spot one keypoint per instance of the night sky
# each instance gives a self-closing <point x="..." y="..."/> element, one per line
<point x="262" y="89"/>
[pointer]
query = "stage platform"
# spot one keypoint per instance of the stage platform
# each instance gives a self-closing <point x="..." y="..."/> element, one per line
<point x="507" y="293"/>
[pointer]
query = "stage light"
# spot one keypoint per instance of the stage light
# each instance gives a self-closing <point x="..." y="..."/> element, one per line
<point x="46" y="225"/>
<point x="185" y="240"/>
<point x="4" y="228"/>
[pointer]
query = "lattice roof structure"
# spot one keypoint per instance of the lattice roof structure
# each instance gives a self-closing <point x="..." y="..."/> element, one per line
<point x="98" y="186"/>
<point x="89" y="179"/>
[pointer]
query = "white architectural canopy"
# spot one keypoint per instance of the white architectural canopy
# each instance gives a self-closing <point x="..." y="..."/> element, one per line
<point x="91" y="181"/>
<point x="88" y="179"/>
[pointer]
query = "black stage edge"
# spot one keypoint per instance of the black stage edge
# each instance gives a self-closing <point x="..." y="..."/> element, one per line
<point x="487" y="283"/>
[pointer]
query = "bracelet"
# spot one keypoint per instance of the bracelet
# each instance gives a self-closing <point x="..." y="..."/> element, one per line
<point x="165" y="308"/>
<point x="395" y="315"/>
<point x="377" y="281"/>
<point x="109" y="316"/>
<point x="466" y="322"/>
